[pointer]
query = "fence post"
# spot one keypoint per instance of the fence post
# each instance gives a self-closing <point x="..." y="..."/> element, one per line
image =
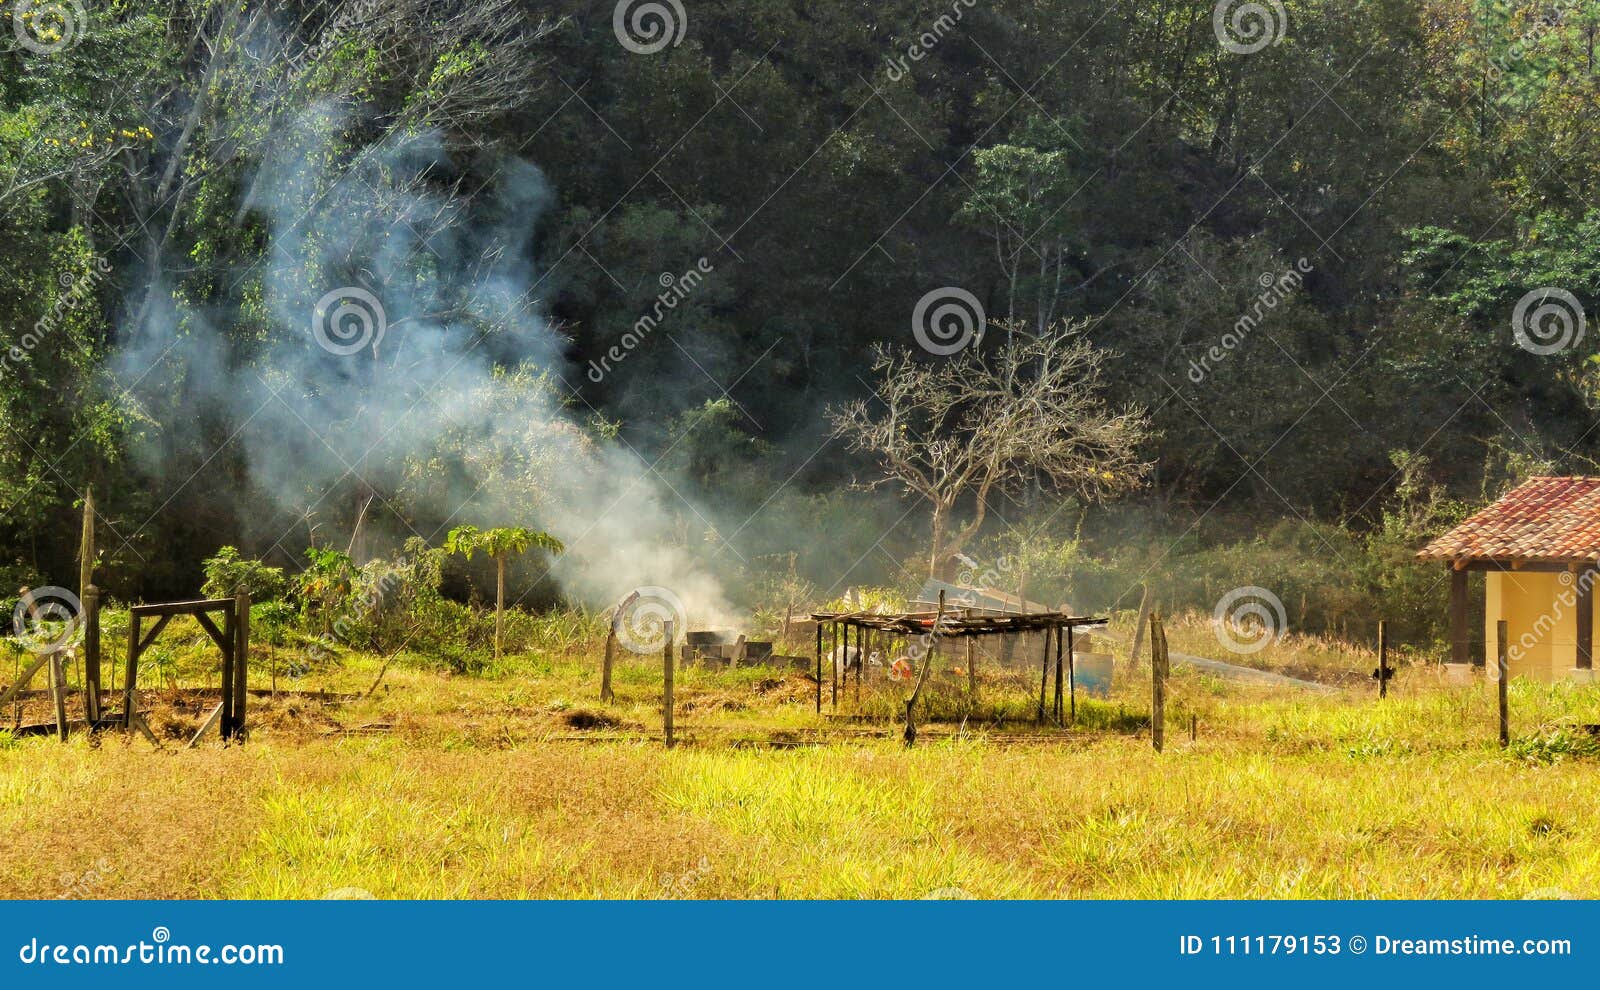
<point x="605" y="669"/>
<point x="1383" y="659"/>
<point x="91" y="655"/>
<point x="1158" y="682"/>
<point x="58" y="693"/>
<point x="666" y="683"/>
<point x="1504" y="670"/>
<point x="241" y="660"/>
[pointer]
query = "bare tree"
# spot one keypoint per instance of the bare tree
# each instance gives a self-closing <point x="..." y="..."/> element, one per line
<point x="974" y="426"/>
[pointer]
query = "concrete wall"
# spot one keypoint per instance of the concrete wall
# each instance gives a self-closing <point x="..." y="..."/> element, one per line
<point x="1540" y="610"/>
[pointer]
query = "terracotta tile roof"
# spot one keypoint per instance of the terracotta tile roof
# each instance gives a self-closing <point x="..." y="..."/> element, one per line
<point x="1541" y="519"/>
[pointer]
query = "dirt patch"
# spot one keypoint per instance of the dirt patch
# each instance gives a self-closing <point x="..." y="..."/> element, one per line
<point x="583" y="718"/>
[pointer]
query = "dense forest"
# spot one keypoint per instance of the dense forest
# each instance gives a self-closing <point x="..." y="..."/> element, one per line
<point x="339" y="275"/>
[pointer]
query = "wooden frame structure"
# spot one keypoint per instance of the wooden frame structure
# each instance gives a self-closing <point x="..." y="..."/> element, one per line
<point x="872" y="628"/>
<point x="233" y="639"/>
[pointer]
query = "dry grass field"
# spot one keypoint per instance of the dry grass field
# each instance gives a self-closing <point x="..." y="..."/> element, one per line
<point x="519" y="784"/>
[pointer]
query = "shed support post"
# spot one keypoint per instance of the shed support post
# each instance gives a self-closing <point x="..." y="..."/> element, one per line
<point x="1459" y="652"/>
<point x="1585" y="580"/>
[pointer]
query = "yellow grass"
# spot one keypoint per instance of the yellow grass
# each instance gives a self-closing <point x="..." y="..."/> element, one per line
<point x="485" y="787"/>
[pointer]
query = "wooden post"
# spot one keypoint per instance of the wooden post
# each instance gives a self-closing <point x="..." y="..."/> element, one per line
<point x="1383" y="659"/>
<point x="922" y="675"/>
<point x="972" y="670"/>
<point x="91" y="655"/>
<point x="58" y="693"/>
<point x="1158" y="682"/>
<point x="666" y="683"/>
<point x="833" y="675"/>
<point x="229" y="637"/>
<point x="861" y="658"/>
<point x="1504" y="669"/>
<point x="1072" y="676"/>
<point x="1138" y="627"/>
<point x="241" y="662"/>
<point x="1459" y="651"/>
<point x="1044" y="677"/>
<point x="1060" y="682"/>
<point x="130" y="692"/>
<point x="1585" y="579"/>
<point x="819" y="666"/>
<point x="606" y="694"/>
<point x="86" y="545"/>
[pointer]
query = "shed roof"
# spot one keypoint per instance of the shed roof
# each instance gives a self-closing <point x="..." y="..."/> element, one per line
<point x="1544" y="518"/>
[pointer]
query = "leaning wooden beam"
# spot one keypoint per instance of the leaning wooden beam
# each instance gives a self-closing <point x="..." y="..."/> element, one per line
<point x="205" y="726"/>
<point x="155" y="630"/>
<point x="210" y="626"/>
<point x="26" y="677"/>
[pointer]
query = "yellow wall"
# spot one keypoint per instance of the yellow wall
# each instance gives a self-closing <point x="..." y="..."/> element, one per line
<point x="1540" y="610"/>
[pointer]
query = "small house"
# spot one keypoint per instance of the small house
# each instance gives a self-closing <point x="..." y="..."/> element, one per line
<point x="1538" y="548"/>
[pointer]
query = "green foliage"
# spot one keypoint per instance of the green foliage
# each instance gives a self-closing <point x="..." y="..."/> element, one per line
<point x="499" y="543"/>
<point x="227" y="573"/>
